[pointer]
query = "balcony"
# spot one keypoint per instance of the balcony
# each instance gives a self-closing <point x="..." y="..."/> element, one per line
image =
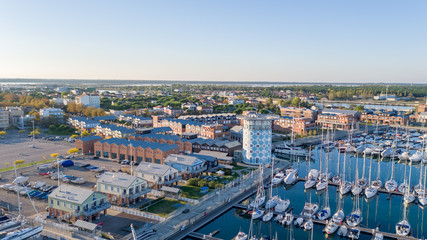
<point x="170" y="181"/>
<point x="93" y="210"/>
<point x="135" y="195"/>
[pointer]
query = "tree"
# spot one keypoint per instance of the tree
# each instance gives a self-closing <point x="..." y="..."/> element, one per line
<point x="74" y="136"/>
<point x="2" y="133"/>
<point x="359" y="108"/>
<point x="85" y="133"/>
<point x="296" y="102"/>
<point x="18" y="162"/>
<point x="35" y="132"/>
<point x="73" y="151"/>
<point x="54" y="155"/>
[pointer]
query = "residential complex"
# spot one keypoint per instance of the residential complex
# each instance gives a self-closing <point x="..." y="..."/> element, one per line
<point x="157" y="175"/>
<point x="89" y="100"/>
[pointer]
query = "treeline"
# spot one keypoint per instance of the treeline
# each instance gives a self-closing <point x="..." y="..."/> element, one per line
<point x="37" y="101"/>
<point x="138" y="102"/>
<point x="81" y="109"/>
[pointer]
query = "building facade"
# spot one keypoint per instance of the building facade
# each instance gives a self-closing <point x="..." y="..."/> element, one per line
<point x="338" y="119"/>
<point x="257" y="137"/>
<point x="157" y="175"/>
<point x="122" y="188"/>
<point x="4" y="119"/>
<point x="89" y="100"/>
<point x="297" y="125"/>
<point x="298" y="112"/>
<point x="187" y="166"/>
<point x="86" y="144"/>
<point x="55" y="112"/>
<point x="133" y="150"/>
<point x="72" y="203"/>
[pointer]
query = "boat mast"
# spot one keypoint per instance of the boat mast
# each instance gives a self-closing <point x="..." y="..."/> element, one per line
<point x="19" y="201"/>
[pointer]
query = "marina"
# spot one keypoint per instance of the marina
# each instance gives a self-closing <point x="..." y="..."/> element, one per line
<point x="380" y="212"/>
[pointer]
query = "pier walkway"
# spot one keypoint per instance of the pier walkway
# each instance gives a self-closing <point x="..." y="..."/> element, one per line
<point x="324" y="222"/>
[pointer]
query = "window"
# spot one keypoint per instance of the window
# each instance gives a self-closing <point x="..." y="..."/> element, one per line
<point x="148" y="160"/>
<point x="157" y="161"/>
<point x="106" y="154"/>
<point x="57" y="203"/>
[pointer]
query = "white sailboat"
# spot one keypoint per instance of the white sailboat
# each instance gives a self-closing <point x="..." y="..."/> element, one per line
<point x="370" y="191"/>
<point x="272" y="200"/>
<point x="422" y="198"/>
<point x="311" y="176"/>
<point x="325" y="213"/>
<point x="409" y="196"/>
<point x="308" y="225"/>
<point x="345" y="186"/>
<point x="356" y="188"/>
<point x="355" y="217"/>
<point x="391" y="185"/>
<point x="403" y="228"/>
<point x="260" y="196"/>
<point x="241" y="236"/>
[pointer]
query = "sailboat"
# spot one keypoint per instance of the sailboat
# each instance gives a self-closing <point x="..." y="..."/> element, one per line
<point x="323" y="178"/>
<point x="402" y="187"/>
<point x="345" y="186"/>
<point x="370" y="191"/>
<point x="272" y="200"/>
<point x="362" y="181"/>
<point x="310" y="209"/>
<point x="260" y="196"/>
<point x="241" y="236"/>
<point x="312" y="175"/>
<point x="24" y="233"/>
<point x="356" y="188"/>
<point x="325" y="213"/>
<point x="355" y="217"/>
<point x="403" y="228"/>
<point x="391" y="185"/>
<point x="409" y="195"/>
<point x="422" y="198"/>
<point x="337" y="178"/>
<point x="308" y="225"/>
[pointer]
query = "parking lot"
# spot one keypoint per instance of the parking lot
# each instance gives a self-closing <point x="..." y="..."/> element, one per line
<point x="17" y="147"/>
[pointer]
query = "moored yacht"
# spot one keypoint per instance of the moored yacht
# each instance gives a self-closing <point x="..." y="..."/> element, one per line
<point x="291" y="176"/>
<point x="278" y="178"/>
<point x="355" y="218"/>
<point x="241" y="236"/>
<point x="403" y="228"/>
<point x="310" y="209"/>
<point x="289" y="150"/>
<point x="331" y="228"/>
<point x="391" y="185"/>
<point x="282" y="205"/>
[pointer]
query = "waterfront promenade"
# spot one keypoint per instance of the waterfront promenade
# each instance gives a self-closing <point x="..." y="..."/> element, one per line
<point x="181" y="224"/>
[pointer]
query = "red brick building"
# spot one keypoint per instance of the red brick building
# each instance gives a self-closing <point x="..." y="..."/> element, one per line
<point x="86" y="144"/>
<point x="299" y="125"/>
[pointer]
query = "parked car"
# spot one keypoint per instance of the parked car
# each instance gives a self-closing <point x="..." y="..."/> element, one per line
<point x="95" y="157"/>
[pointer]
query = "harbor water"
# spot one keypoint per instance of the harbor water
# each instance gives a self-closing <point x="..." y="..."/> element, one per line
<point x="382" y="210"/>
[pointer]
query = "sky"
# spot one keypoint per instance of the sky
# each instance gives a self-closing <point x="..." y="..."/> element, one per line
<point x="222" y="40"/>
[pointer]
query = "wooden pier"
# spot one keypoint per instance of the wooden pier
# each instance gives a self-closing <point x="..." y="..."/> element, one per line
<point x="324" y="222"/>
<point x="201" y="236"/>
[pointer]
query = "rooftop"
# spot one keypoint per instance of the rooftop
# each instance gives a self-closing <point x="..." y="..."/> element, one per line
<point x="154" y="168"/>
<point x="139" y="143"/>
<point x="118" y="179"/>
<point x="71" y="193"/>
<point x="186" y="160"/>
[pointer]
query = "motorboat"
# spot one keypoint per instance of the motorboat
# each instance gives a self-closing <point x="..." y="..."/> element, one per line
<point x="278" y="178"/>
<point x="272" y="202"/>
<point x="403" y="228"/>
<point x="282" y="205"/>
<point x="345" y="187"/>
<point x="354" y="219"/>
<point x="288" y="219"/>
<point x="268" y="216"/>
<point x="391" y="185"/>
<point x="241" y="236"/>
<point x="370" y="192"/>
<point x="330" y="228"/>
<point x="308" y="225"/>
<point x="257" y="213"/>
<point x="324" y="214"/>
<point x="298" y="222"/>
<point x="354" y="233"/>
<point x="291" y="176"/>
<point x="309" y="183"/>
<point x="338" y="217"/>
<point x="342" y="231"/>
<point x="20" y="180"/>
<point x="290" y="150"/>
<point x="310" y="209"/>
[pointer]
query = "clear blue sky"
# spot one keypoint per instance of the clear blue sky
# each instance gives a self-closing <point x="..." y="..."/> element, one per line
<point x="293" y="40"/>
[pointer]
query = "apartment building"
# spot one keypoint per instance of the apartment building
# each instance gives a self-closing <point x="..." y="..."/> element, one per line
<point x="338" y="119"/>
<point x="297" y="112"/>
<point x="89" y="100"/>
<point x="300" y="125"/>
<point x="187" y="166"/>
<point x="157" y="175"/>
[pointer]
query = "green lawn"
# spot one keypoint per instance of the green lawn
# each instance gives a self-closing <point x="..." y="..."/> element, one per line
<point x="164" y="207"/>
<point x="238" y="167"/>
<point x="191" y="192"/>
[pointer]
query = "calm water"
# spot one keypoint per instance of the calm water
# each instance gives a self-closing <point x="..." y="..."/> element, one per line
<point x="378" y="211"/>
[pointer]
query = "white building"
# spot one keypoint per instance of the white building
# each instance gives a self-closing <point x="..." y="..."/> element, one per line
<point x="122" y="188"/>
<point x="89" y="100"/>
<point x="257" y="138"/>
<point x="236" y="101"/>
<point x="4" y="119"/>
<point x="157" y="175"/>
<point x="47" y="112"/>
